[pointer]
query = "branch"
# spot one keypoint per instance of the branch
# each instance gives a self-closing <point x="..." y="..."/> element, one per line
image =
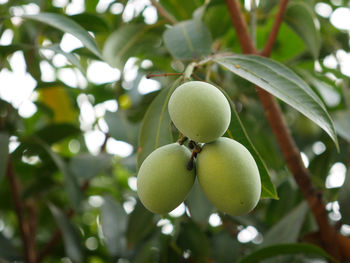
<point x="28" y="244"/>
<point x="274" y="31"/>
<point x="163" y="12"/>
<point x="241" y="27"/>
<point x="280" y="129"/>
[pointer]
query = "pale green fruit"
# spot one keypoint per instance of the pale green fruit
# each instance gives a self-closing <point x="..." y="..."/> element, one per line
<point x="229" y="176"/>
<point x="163" y="181"/>
<point x="199" y="111"/>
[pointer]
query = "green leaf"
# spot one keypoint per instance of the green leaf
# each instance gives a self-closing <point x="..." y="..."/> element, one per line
<point x="125" y="43"/>
<point x="87" y="166"/>
<point x="53" y="133"/>
<point x="224" y="247"/>
<point x="285" y="249"/>
<point x="71" y="238"/>
<point x="188" y="40"/>
<point x="120" y="128"/>
<point x="140" y="225"/>
<point x="288" y="228"/>
<point x="91" y="22"/>
<point x="198" y="204"/>
<point x="67" y="25"/>
<point x="193" y="238"/>
<point x="70" y="181"/>
<point x="237" y="132"/>
<point x="300" y="17"/>
<point x="114" y="221"/>
<point x="282" y="83"/>
<point x="4" y="151"/>
<point x="343" y="199"/>
<point x="342" y="124"/>
<point x="70" y="56"/>
<point x="7" y="251"/>
<point x="156" y="124"/>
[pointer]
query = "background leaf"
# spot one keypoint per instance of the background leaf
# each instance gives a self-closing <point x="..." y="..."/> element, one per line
<point x="282" y="83"/>
<point x="156" y="124"/>
<point x="114" y="222"/>
<point x="188" y="40"/>
<point x="300" y="17"/>
<point x="71" y="238"/>
<point x="342" y="124"/>
<point x="284" y="249"/>
<point x="7" y="250"/>
<point x="67" y="25"/>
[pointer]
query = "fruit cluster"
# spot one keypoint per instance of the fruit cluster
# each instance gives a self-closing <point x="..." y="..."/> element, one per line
<point x="226" y="170"/>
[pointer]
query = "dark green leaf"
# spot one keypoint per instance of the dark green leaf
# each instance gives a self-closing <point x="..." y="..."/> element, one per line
<point x="71" y="238"/>
<point x="342" y="124"/>
<point x="300" y="17"/>
<point x="237" y="132"/>
<point x="140" y="225"/>
<point x="199" y="205"/>
<point x="156" y="124"/>
<point x="4" y="151"/>
<point x="225" y="248"/>
<point x="286" y="249"/>
<point x="124" y="43"/>
<point x="70" y="181"/>
<point x="7" y="251"/>
<point x="55" y="132"/>
<point x="120" y="128"/>
<point x="91" y="22"/>
<point x="287" y="230"/>
<point x="85" y="166"/>
<point x="282" y="83"/>
<point x="343" y="198"/>
<point x="67" y="25"/>
<point x="193" y="238"/>
<point x="188" y="40"/>
<point x="114" y="221"/>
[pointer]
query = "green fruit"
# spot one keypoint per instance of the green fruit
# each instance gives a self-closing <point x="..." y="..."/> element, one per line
<point x="305" y="127"/>
<point x="199" y="111"/>
<point x="229" y="176"/>
<point x="163" y="181"/>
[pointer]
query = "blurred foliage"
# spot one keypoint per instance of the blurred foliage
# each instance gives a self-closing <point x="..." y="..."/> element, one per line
<point x="70" y="152"/>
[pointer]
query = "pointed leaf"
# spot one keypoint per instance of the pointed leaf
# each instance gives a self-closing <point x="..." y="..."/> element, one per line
<point x="188" y="40"/>
<point x="71" y="238"/>
<point x="287" y="230"/>
<point x="4" y="151"/>
<point x="282" y="83"/>
<point x="7" y="251"/>
<point x="67" y="25"/>
<point x="156" y="124"/>
<point x="114" y="221"/>
<point x="70" y="182"/>
<point x="285" y="249"/>
<point x="299" y="16"/>
<point x="237" y="132"/>
<point x="342" y="124"/>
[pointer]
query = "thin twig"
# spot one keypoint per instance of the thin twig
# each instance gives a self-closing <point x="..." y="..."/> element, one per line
<point x="163" y="12"/>
<point x="150" y="75"/>
<point x="28" y="245"/>
<point x="280" y="129"/>
<point x="275" y="28"/>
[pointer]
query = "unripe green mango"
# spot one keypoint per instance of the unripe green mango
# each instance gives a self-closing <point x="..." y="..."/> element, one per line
<point x="229" y="176"/>
<point x="199" y="111"/>
<point x="163" y="180"/>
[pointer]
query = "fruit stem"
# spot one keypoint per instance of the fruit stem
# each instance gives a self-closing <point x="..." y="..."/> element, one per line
<point x="150" y="75"/>
<point x="181" y="139"/>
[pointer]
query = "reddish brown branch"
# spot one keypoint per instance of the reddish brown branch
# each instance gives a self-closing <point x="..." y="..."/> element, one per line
<point x="28" y="244"/>
<point x="150" y="75"/>
<point x="281" y="131"/>
<point x="274" y="31"/>
<point x="57" y="234"/>
<point x="241" y="27"/>
<point x="163" y="12"/>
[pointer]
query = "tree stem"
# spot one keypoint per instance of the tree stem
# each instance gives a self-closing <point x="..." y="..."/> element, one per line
<point x="280" y="129"/>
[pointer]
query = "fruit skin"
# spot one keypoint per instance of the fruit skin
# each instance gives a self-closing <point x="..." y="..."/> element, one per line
<point x="229" y="176"/>
<point x="163" y="180"/>
<point x="199" y="111"/>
